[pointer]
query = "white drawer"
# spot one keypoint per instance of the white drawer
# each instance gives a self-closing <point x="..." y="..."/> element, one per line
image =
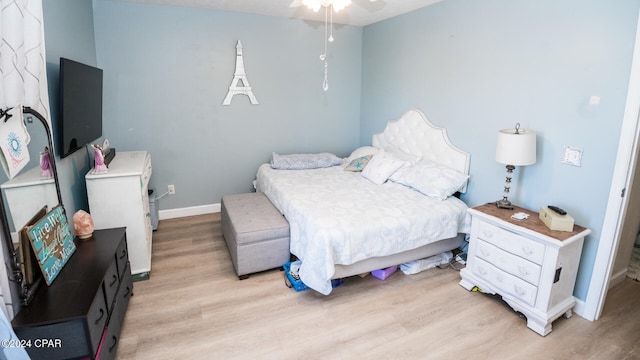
<point x="504" y="282"/>
<point x="513" y="243"/>
<point x="515" y="265"/>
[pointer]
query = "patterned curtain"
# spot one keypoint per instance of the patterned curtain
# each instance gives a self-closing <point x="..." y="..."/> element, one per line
<point x="23" y="82"/>
<point x="23" y="77"/>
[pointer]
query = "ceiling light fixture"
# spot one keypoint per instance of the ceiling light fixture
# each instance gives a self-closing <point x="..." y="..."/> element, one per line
<point x="337" y="5"/>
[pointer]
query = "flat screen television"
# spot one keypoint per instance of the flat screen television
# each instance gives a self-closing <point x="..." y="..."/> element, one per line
<point x="80" y="118"/>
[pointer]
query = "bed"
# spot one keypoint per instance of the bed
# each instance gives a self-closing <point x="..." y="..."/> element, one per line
<point x="345" y="223"/>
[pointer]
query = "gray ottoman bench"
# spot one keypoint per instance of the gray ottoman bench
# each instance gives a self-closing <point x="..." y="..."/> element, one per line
<point x="257" y="235"/>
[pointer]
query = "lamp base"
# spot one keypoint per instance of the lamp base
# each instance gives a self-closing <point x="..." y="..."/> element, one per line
<point x="504" y="204"/>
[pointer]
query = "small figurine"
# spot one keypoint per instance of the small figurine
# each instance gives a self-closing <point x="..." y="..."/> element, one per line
<point x="98" y="157"/>
<point x="45" y="164"/>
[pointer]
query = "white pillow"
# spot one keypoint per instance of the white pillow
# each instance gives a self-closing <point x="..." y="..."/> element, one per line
<point x="409" y="158"/>
<point x="358" y="153"/>
<point x="434" y="180"/>
<point x="381" y="166"/>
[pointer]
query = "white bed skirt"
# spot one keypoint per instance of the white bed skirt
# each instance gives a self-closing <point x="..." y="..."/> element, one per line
<point x="376" y="263"/>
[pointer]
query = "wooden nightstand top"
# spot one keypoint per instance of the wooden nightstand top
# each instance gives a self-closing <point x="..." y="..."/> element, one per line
<point x="533" y="223"/>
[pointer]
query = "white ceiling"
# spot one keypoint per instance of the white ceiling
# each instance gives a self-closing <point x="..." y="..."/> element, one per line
<point x="359" y="13"/>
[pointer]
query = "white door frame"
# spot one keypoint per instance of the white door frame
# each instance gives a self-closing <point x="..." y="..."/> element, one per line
<point x="617" y="204"/>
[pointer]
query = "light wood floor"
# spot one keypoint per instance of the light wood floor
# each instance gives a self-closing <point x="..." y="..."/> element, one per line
<point x="194" y="307"/>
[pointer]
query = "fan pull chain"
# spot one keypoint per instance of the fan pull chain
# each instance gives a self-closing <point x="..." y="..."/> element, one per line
<point x="328" y="30"/>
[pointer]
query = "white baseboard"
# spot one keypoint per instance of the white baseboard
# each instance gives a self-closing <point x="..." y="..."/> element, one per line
<point x="579" y="309"/>
<point x="617" y="278"/>
<point x="188" y="211"/>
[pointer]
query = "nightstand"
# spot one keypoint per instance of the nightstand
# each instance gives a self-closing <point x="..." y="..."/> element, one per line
<point x="533" y="268"/>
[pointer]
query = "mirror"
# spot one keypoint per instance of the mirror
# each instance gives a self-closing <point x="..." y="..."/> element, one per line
<point x="23" y="196"/>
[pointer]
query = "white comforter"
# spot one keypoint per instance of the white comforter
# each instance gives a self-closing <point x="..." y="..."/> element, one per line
<point x="339" y="217"/>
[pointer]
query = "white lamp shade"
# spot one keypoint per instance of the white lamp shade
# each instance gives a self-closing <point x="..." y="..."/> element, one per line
<point x="517" y="149"/>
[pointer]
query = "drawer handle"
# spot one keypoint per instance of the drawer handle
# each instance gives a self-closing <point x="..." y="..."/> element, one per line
<point x="523" y="271"/>
<point x="115" y="279"/>
<point x="527" y="250"/>
<point x="123" y="254"/>
<point x="115" y="342"/>
<point x="488" y="233"/>
<point x="482" y="271"/>
<point x="101" y="316"/>
<point x="520" y="291"/>
<point x="484" y="252"/>
<point x="126" y="295"/>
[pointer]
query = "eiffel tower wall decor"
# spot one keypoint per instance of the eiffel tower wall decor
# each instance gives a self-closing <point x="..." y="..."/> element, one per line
<point x="239" y="84"/>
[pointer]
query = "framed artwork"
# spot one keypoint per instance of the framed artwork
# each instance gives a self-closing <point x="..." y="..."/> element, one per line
<point x="52" y="242"/>
<point x="29" y="262"/>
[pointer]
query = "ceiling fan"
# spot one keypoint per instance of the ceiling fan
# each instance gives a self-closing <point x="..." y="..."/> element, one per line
<point x="336" y="6"/>
<point x="315" y="5"/>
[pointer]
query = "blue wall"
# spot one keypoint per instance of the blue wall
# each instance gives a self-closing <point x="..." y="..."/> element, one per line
<point x="167" y="70"/>
<point x="475" y="67"/>
<point x="68" y="29"/>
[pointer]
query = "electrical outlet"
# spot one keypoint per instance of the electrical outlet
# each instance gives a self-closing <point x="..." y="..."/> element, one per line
<point x="171" y="189"/>
<point x="572" y="156"/>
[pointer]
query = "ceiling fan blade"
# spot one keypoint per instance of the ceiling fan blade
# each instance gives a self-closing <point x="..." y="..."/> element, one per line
<point x="298" y="3"/>
<point x="295" y="3"/>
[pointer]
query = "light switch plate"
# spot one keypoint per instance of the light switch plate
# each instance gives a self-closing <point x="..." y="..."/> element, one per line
<point x="572" y="156"/>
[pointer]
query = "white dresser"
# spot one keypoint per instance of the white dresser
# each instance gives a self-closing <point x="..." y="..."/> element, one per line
<point x="27" y="193"/>
<point x="533" y="268"/>
<point x="24" y="195"/>
<point x="120" y="198"/>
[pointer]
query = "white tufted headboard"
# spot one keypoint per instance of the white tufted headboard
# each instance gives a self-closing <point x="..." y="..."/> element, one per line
<point x="413" y="133"/>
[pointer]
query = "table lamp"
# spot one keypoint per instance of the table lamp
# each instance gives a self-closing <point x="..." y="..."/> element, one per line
<point x="515" y="147"/>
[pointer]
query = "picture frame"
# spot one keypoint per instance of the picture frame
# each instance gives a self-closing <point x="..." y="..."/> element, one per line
<point x="52" y="242"/>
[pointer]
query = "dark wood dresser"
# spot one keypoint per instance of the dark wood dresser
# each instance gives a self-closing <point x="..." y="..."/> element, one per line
<point x="81" y="314"/>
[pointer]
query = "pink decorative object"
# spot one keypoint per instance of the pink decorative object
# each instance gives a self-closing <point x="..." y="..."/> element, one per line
<point x="83" y="224"/>
<point x="98" y="157"/>
<point x="45" y="164"/>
